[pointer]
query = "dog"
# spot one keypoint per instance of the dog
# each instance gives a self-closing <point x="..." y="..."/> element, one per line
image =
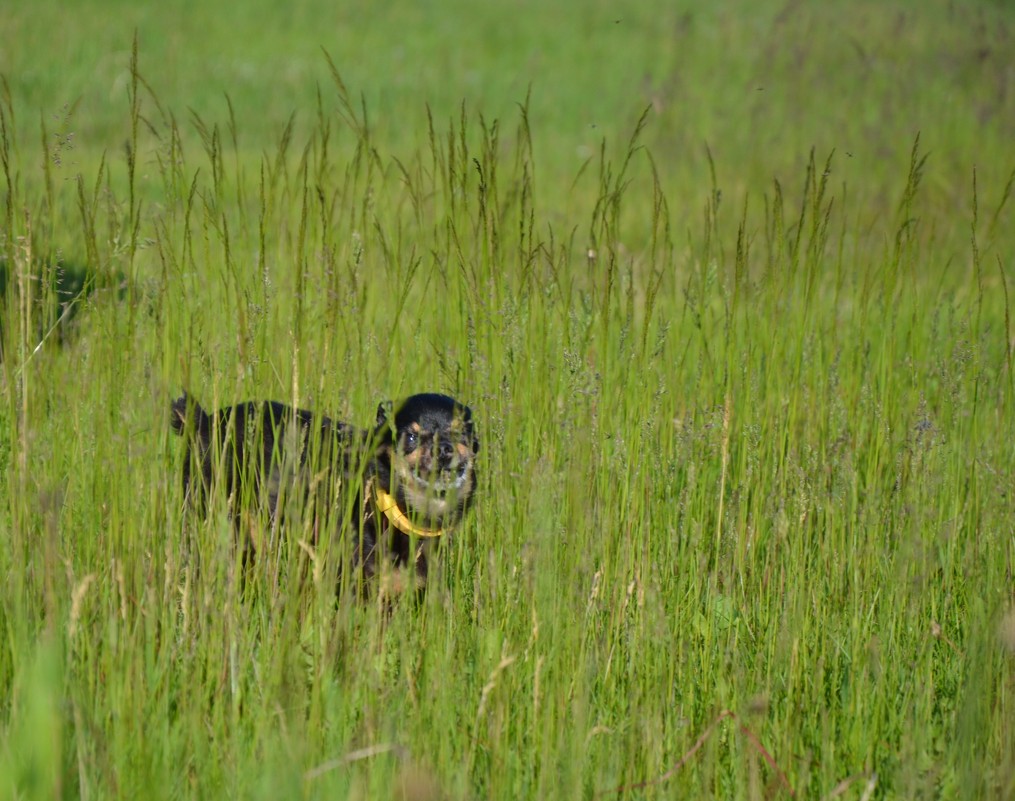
<point x="388" y="494"/>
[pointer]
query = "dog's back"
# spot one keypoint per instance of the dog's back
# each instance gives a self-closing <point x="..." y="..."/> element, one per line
<point x="263" y="451"/>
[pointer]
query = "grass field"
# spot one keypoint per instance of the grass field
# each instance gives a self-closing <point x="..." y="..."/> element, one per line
<point x="728" y="290"/>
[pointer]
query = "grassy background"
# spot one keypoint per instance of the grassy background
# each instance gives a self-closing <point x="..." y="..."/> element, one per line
<point x="746" y="411"/>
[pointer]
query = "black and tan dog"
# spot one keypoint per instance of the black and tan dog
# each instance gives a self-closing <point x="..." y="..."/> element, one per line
<point x="386" y="494"/>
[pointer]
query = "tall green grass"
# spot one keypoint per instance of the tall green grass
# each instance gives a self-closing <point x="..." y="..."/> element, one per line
<point x="756" y="461"/>
<point x="760" y="82"/>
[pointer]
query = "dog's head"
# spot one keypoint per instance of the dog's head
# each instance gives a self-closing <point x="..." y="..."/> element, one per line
<point x="427" y="454"/>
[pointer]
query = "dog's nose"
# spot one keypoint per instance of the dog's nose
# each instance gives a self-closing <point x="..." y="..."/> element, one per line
<point x="445" y="452"/>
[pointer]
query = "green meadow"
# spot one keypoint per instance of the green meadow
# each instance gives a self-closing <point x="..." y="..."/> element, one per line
<point x="728" y="288"/>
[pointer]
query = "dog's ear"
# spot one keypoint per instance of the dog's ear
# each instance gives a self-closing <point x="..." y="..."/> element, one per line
<point x="469" y="430"/>
<point x="383" y="412"/>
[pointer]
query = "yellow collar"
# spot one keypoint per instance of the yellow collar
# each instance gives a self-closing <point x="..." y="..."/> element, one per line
<point x="387" y="504"/>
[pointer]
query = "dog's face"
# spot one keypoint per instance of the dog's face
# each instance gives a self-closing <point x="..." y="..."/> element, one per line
<point x="430" y="448"/>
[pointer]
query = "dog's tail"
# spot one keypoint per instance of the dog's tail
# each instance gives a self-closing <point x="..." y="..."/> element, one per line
<point x="185" y="408"/>
<point x="190" y="421"/>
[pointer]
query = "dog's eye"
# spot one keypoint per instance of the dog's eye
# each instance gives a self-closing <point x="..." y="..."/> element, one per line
<point x="411" y="441"/>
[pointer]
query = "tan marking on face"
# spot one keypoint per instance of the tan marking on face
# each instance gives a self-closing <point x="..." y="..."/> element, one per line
<point x="425" y="504"/>
<point x="412" y="459"/>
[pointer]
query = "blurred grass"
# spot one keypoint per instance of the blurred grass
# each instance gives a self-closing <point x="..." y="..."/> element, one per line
<point x="761" y="83"/>
<point x="747" y="445"/>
